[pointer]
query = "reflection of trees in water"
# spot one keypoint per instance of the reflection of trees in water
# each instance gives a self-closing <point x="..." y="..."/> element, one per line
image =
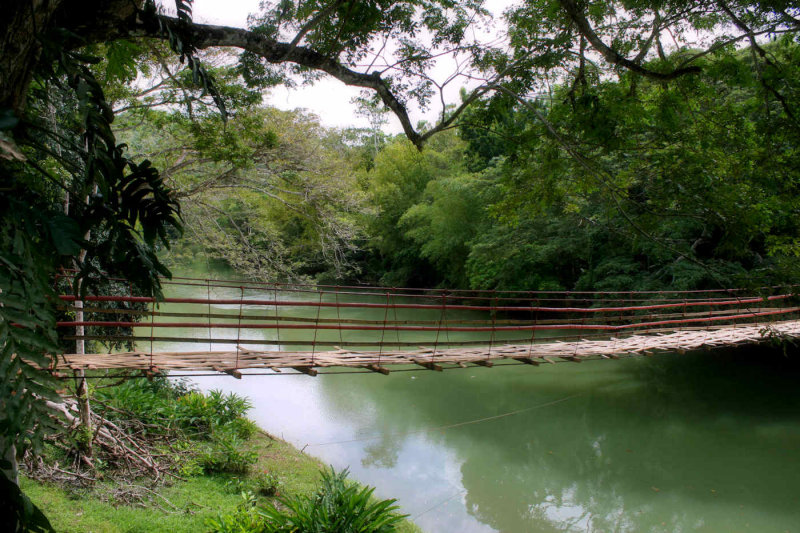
<point x="669" y="443"/>
<point x="382" y="453"/>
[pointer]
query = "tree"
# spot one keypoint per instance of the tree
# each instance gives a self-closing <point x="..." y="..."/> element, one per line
<point x="56" y="138"/>
<point x="270" y="192"/>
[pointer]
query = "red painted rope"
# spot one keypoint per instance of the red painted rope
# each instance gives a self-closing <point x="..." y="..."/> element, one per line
<point x="294" y="303"/>
<point x="466" y="295"/>
<point x="603" y="327"/>
<point x="225" y="283"/>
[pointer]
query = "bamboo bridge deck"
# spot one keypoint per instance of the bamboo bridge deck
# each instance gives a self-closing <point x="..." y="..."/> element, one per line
<point x="248" y="327"/>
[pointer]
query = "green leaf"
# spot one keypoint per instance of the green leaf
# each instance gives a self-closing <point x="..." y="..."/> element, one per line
<point x="66" y="235"/>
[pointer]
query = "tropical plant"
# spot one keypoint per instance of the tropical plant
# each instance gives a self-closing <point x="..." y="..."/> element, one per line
<point x="337" y="505"/>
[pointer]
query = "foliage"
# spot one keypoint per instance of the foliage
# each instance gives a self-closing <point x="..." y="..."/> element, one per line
<point x="625" y="184"/>
<point x="398" y="181"/>
<point x="168" y="407"/>
<point x="348" y="30"/>
<point x="244" y="519"/>
<point x="17" y="512"/>
<point x="270" y="192"/>
<point x="195" y="499"/>
<point x="70" y="197"/>
<point x="266" y="483"/>
<point x="337" y="505"/>
<point x="224" y="454"/>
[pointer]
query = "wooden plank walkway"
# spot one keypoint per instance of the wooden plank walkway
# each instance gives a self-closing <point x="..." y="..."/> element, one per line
<point x="233" y="361"/>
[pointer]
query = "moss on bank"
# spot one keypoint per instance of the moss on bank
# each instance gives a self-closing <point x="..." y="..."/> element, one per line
<point x="184" y="506"/>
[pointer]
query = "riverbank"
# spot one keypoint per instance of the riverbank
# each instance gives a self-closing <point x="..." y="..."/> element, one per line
<point x="104" y="502"/>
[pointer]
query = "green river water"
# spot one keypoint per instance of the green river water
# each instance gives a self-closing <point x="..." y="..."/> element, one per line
<point x="694" y="442"/>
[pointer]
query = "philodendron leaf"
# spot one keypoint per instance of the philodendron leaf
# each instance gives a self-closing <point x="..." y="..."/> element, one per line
<point x="66" y="235"/>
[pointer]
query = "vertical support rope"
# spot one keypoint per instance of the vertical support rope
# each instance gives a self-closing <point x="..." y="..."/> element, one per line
<point x="383" y="330"/>
<point x="152" y="321"/>
<point x="396" y="331"/>
<point x="80" y="344"/>
<point x="339" y="318"/>
<point x="316" y="329"/>
<point x="277" y="322"/>
<point x="493" y="312"/>
<point x="534" y="319"/>
<point x="621" y="321"/>
<point x="578" y="338"/>
<point x="709" y="321"/>
<point x="239" y="325"/>
<point x="208" y="297"/>
<point x="446" y="325"/>
<point x="439" y="327"/>
<point x="757" y="318"/>
<point x="684" y="309"/>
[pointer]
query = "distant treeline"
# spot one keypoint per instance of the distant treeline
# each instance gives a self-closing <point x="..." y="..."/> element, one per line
<point x="622" y="183"/>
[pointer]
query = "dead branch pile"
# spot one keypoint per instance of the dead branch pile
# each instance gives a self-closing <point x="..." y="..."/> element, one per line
<point x="124" y="450"/>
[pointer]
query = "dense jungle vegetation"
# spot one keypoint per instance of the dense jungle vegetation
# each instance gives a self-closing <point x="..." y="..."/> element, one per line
<point x="624" y="184"/>
<point x="625" y="145"/>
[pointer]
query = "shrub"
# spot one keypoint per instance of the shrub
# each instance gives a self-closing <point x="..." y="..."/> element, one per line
<point x="245" y="519"/>
<point x="225" y="455"/>
<point x="266" y="483"/>
<point x="243" y="428"/>
<point x="227" y="407"/>
<point x="337" y="506"/>
<point x="175" y="406"/>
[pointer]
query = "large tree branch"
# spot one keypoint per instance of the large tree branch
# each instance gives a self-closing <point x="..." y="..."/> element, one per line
<point x="611" y="55"/>
<point x="206" y="36"/>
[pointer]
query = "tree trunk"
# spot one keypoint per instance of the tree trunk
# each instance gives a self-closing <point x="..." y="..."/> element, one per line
<point x="82" y="392"/>
<point x="20" y="24"/>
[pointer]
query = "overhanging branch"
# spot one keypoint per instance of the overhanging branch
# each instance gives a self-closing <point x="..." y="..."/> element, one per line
<point x="611" y="55"/>
<point x="207" y="36"/>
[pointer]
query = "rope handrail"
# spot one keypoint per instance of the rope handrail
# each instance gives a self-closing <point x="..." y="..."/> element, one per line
<point x="461" y="307"/>
<point x="286" y="318"/>
<point x="379" y="290"/>
<point x="387" y="327"/>
<point x="254" y="326"/>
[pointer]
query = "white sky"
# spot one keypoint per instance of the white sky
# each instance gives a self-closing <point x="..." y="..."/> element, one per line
<point x="328" y="98"/>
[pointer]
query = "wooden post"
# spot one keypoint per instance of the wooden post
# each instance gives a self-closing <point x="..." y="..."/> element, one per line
<point x="82" y="391"/>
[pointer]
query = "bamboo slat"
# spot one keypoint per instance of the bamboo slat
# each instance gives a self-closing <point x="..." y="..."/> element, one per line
<point x="232" y="361"/>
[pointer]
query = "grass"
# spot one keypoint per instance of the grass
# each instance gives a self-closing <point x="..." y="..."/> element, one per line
<point x="186" y="505"/>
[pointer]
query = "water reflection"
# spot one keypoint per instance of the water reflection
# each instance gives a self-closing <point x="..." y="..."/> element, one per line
<point x="696" y="442"/>
<point x="672" y="443"/>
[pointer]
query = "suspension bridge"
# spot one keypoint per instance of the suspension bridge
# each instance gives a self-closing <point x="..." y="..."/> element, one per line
<point x="241" y="328"/>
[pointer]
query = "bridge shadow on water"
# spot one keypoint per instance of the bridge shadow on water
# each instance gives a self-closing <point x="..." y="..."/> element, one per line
<point x="700" y="441"/>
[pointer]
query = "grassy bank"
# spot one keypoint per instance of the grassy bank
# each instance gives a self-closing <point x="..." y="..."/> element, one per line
<point x="273" y="472"/>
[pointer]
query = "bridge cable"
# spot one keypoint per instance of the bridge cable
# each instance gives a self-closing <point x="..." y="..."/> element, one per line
<point x="339" y="317"/>
<point x="493" y="312"/>
<point x="239" y="326"/>
<point x="383" y="330"/>
<point x="277" y="322"/>
<point x="152" y="320"/>
<point x="316" y="329"/>
<point x="394" y="306"/>
<point x="535" y="319"/>
<point x="456" y="424"/>
<point x="439" y="327"/>
<point x="208" y="297"/>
